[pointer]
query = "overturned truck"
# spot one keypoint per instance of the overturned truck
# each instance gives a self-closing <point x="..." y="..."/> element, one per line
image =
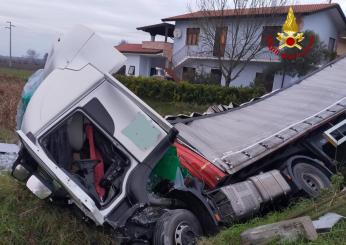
<point x="87" y="141"/>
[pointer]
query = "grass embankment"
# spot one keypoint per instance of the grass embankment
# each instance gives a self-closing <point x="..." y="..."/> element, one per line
<point x="27" y="220"/>
<point x="312" y="208"/>
<point x="24" y="219"/>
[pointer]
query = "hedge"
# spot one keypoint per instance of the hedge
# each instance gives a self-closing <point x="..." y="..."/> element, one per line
<point x="169" y="91"/>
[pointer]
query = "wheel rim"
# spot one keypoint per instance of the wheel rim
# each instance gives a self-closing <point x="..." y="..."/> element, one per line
<point x="311" y="178"/>
<point x="314" y="183"/>
<point x="184" y="235"/>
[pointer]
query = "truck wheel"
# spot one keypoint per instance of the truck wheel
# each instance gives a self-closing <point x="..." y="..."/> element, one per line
<point x="310" y="178"/>
<point x="177" y="227"/>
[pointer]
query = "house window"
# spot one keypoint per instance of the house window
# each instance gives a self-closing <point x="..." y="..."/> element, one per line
<point x="220" y="41"/>
<point x="153" y="71"/>
<point x="189" y="74"/>
<point x="270" y="32"/>
<point x="131" y="71"/>
<point x="331" y="44"/>
<point x="192" y="36"/>
<point x="215" y="76"/>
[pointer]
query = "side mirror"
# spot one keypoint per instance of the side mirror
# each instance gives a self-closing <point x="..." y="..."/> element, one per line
<point x="37" y="186"/>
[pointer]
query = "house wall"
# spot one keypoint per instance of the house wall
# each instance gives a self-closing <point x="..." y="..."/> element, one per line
<point x="144" y="68"/>
<point x="143" y="63"/>
<point x="180" y="43"/>
<point x="246" y="77"/>
<point x="323" y="24"/>
<point x="132" y="60"/>
<point x="165" y="46"/>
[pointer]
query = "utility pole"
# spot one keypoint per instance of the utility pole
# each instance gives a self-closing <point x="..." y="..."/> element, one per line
<point x="10" y="28"/>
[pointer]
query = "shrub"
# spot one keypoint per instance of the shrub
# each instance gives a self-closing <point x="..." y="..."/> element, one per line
<point x="169" y="91"/>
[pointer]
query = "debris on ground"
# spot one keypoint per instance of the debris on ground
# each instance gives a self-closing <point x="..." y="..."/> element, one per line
<point x="326" y="222"/>
<point x="284" y="231"/>
<point x="8" y="154"/>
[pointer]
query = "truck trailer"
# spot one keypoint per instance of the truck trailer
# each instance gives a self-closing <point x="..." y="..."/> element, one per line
<point x="89" y="142"/>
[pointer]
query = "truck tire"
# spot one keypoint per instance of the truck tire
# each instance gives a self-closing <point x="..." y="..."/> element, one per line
<point x="310" y="178"/>
<point x="177" y="227"/>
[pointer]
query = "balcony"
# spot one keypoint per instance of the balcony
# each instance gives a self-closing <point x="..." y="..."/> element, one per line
<point x="203" y="53"/>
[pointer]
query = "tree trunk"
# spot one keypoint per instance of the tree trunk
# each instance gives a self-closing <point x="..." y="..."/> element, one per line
<point x="227" y="81"/>
<point x="283" y="78"/>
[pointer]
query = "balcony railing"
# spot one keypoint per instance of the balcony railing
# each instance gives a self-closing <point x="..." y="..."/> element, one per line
<point x="196" y="52"/>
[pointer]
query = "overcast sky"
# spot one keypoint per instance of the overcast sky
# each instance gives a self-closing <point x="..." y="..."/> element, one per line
<point x="38" y="22"/>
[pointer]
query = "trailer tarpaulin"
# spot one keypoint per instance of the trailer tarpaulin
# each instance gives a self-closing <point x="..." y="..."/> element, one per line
<point x="236" y="138"/>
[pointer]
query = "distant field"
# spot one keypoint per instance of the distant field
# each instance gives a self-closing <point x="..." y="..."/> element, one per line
<point x="21" y="74"/>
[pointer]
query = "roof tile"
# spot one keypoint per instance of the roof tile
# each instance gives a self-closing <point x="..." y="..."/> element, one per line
<point x="136" y="48"/>
<point x="298" y="9"/>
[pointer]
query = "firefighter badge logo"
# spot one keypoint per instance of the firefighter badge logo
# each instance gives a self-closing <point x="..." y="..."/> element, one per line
<point x="292" y="43"/>
<point x="290" y="37"/>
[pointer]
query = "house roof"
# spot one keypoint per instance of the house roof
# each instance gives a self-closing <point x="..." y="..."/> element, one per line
<point x="162" y="29"/>
<point x="137" y="49"/>
<point x="280" y="10"/>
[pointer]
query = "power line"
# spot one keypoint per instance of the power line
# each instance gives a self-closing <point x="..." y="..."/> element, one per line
<point x="10" y="28"/>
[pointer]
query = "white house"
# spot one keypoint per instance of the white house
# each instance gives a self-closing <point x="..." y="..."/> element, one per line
<point x="144" y="58"/>
<point x="189" y="55"/>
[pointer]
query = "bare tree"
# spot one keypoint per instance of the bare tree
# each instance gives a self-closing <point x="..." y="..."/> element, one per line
<point x="45" y="57"/>
<point x="32" y="54"/>
<point x="122" y="41"/>
<point x="232" y="31"/>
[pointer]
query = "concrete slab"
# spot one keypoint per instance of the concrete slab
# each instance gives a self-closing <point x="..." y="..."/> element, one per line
<point x="284" y="231"/>
<point x="326" y="222"/>
<point x="8" y="148"/>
